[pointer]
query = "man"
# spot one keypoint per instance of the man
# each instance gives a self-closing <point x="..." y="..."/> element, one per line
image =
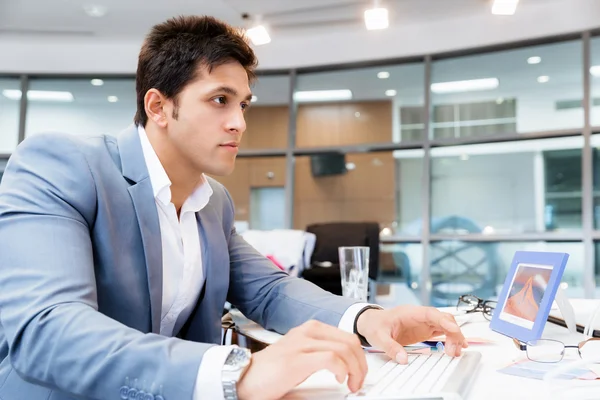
<point x="118" y="254"/>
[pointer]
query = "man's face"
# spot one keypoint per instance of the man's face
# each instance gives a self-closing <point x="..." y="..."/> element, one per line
<point x="207" y="125"/>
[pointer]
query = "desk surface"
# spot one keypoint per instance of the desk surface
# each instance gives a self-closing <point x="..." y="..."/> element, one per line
<point x="489" y="384"/>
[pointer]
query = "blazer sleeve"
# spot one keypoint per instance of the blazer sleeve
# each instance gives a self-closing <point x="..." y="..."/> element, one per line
<point x="55" y="334"/>
<point x="269" y="296"/>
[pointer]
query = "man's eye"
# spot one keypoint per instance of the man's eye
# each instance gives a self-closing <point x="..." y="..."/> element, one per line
<point x="244" y="106"/>
<point x="220" y="100"/>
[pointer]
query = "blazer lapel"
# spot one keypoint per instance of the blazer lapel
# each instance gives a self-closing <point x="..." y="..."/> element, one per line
<point x="135" y="170"/>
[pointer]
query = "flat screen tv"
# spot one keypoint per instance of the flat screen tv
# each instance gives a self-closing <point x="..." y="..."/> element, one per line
<point x="327" y="164"/>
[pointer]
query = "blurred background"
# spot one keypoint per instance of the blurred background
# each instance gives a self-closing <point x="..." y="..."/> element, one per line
<point x="465" y="129"/>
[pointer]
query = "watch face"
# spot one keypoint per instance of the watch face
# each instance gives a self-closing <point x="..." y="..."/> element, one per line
<point x="238" y="358"/>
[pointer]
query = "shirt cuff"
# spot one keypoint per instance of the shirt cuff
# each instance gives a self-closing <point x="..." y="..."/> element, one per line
<point x="208" y="382"/>
<point x="347" y="322"/>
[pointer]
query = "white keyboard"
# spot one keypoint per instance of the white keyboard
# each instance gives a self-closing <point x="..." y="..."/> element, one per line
<point x="424" y="377"/>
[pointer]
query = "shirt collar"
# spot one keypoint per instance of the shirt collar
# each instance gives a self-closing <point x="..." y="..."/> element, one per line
<point x="161" y="184"/>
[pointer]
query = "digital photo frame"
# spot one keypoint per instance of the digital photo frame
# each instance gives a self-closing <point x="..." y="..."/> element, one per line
<point x="526" y="298"/>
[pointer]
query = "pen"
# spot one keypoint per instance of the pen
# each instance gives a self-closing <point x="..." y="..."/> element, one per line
<point x="438" y="346"/>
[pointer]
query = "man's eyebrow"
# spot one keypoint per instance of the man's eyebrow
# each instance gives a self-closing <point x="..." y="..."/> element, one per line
<point x="231" y="91"/>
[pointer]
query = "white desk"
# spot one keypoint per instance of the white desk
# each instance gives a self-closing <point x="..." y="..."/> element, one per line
<point x="489" y="384"/>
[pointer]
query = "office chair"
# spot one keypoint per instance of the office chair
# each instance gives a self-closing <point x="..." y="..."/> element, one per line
<point x="461" y="267"/>
<point x="330" y="236"/>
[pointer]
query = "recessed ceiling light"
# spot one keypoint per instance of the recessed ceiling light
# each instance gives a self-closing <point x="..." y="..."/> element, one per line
<point x="254" y="99"/>
<point x="465" y="86"/>
<point x="259" y="35"/>
<point x="97" y="82"/>
<point x="534" y="60"/>
<point x="39" y="95"/>
<point x="112" y="99"/>
<point x="95" y="10"/>
<point x="595" y="70"/>
<point x="383" y="75"/>
<point x="390" y="93"/>
<point x="376" y="18"/>
<point x="323" y="95"/>
<point x="543" y="79"/>
<point x="504" y="7"/>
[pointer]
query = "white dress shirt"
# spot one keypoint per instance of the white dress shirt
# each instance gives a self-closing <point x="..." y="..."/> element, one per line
<point x="183" y="269"/>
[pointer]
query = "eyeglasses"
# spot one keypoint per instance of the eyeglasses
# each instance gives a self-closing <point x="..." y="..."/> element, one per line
<point x="552" y="351"/>
<point x="469" y="304"/>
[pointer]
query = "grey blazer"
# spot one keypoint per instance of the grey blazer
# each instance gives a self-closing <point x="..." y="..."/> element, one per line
<point x="81" y="276"/>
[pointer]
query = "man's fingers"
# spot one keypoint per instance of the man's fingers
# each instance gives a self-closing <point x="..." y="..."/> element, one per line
<point x="313" y="362"/>
<point x="448" y="323"/>
<point x="320" y="331"/>
<point x="343" y="352"/>
<point x="393" y="349"/>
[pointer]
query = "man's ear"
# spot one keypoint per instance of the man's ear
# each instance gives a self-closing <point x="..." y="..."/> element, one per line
<point x="154" y="104"/>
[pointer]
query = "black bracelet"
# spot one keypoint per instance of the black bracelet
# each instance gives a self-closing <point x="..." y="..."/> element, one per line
<point x="363" y="341"/>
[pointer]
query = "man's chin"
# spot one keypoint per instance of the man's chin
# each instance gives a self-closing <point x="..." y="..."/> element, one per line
<point x="224" y="170"/>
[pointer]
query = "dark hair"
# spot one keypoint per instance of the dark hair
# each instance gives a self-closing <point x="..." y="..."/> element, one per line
<point x="175" y="49"/>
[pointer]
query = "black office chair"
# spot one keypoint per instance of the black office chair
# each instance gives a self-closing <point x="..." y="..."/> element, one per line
<point x="330" y="236"/>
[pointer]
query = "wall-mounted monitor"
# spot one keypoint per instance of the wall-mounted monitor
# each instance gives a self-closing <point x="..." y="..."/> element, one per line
<point x="327" y="164"/>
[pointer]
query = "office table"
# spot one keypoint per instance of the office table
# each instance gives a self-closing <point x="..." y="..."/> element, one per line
<point x="488" y="383"/>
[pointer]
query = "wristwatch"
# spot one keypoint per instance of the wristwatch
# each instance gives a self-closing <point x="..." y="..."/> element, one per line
<point x="235" y="365"/>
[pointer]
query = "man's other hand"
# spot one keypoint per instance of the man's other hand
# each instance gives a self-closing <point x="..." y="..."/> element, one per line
<point x="311" y="347"/>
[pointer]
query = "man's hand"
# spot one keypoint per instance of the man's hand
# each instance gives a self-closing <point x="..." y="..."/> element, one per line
<point x="311" y="347"/>
<point x="389" y="330"/>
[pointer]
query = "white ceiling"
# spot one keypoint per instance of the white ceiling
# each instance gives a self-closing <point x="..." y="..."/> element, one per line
<point x="133" y="18"/>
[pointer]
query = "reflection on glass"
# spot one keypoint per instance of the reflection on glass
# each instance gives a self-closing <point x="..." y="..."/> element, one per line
<point x="502" y="93"/>
<point x="597" y="269"/>
<point x="80" y="106"/>
<point x="267" y="119"/>
<point x="409" y="184"/>
<point x="595" y="81"/>
<point x="503" y="188"/>
<point x="480" y="268"/>
<point x="9" y="114"/>
<point x="595" y="143"/>
<point x="357" y="106"/>
<point x="400" y="267"/>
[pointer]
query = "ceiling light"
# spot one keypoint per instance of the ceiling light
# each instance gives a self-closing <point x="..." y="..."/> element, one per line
<point x="94" y="10"/>
<point x="323" y="95"/>
<point x="97" y="82"/>
<point x="504" y="7"/>
<point x="259" y="35"/>
<point x="465" y="86"/>
<point x="376" y="18"/>
<point x="534" y="60"/>
<point x="383" y="75"/>
<point x="254" y="99"/>
<point x="39" y="95"/>
<point x="390" y="93"/>
<point x="543" y="79"/>
<point x="112" y="99"/>
<point x="595" y="70"/>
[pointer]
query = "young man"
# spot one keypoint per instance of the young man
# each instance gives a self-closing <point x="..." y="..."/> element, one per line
<point x="119" y="253"/>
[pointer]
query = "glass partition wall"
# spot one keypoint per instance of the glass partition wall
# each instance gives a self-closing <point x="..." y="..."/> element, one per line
<point x="461" y="159"/>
